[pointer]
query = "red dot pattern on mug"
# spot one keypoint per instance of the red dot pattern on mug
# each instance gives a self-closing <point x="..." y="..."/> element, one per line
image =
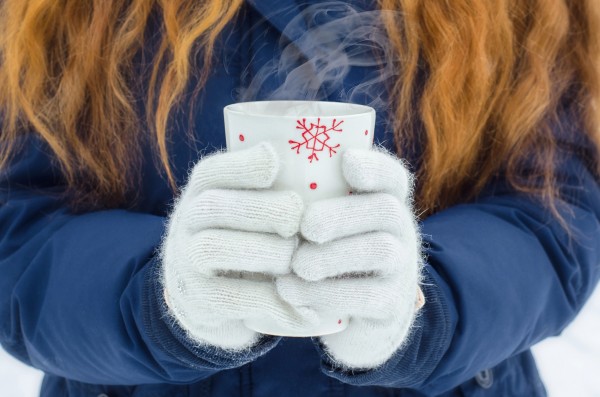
<point x="242" y="137"/>
<point x="366" y="132"/>
<point x="339" y="321"/>
<point x="313" y="186"/>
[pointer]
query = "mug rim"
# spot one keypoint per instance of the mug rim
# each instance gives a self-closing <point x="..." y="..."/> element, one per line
<point x="356" y="110"/>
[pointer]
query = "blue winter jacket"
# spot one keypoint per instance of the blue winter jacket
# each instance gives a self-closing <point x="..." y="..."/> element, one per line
<point x="79" y="297"/>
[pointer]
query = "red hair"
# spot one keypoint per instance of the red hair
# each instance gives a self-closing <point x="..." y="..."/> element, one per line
<point x="497" y="71"/>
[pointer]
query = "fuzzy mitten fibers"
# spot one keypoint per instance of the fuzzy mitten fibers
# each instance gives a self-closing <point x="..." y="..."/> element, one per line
<point x="227" y="238"/>
<point x="361" y="259"/>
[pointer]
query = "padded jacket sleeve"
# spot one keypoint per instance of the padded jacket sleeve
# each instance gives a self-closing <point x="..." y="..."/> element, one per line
<point x="502" y="275"/>
<point x="79" y="296"/>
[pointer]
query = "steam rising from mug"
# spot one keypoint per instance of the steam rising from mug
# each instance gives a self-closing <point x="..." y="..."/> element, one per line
<point x="320" y="47"/>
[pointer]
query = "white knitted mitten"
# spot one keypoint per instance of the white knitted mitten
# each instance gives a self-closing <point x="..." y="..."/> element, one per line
<point x="362" y="259"/>
<point x="227" y="238"/>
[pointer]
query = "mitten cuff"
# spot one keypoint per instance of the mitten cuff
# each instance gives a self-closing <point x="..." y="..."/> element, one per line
<point x="173" y="340"/>
<point x="412" y="364"/>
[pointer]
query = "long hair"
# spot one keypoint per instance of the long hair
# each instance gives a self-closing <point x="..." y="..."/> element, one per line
<point x="495" y="73"/>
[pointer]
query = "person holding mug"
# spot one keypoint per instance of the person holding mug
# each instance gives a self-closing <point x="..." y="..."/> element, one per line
<point x="133" y="250"/>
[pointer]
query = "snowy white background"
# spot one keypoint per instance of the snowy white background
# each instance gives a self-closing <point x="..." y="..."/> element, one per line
<point x="570" y="364"/>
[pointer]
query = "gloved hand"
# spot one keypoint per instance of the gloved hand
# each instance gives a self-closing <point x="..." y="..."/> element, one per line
<point x="227" y="238"/>
<point x="362" y="259"/>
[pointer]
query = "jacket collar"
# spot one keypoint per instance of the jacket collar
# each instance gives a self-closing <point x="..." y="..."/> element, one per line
<point x="278" y="13"/>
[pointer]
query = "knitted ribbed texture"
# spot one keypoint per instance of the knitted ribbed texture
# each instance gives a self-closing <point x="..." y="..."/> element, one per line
<point x="227" y="238"/>
<point x="232" y="252"/>
<point x="361" y="259"/>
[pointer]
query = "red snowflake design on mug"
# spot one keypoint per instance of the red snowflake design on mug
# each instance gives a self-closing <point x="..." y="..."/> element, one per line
<point x="316" y="138"/>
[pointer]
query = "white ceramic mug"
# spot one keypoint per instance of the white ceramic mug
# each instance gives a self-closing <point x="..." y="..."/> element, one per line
<point x="309" y="137"/>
